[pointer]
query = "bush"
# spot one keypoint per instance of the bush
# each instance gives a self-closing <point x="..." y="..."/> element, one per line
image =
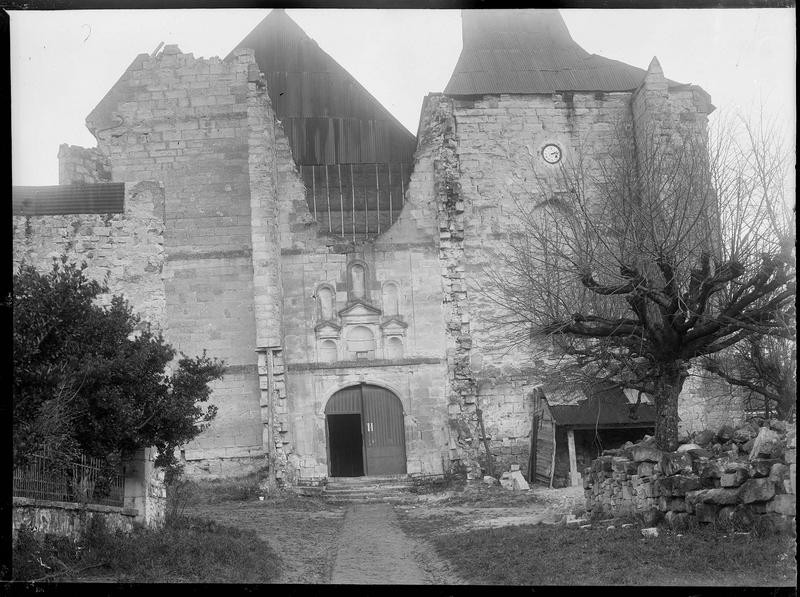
<point x="91" y="378"/>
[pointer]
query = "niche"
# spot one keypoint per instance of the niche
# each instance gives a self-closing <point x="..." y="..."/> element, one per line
<point x="360" y="344"/>
<point x="357" y="280"/>
<point x="325" y="303"/>
<point x="394" y="348"/>
<point x="327" y="351"/>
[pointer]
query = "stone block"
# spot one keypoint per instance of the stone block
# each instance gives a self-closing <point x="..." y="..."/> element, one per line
<point x="782" y="504"/>
<point x="734" y="479"/>
<point x="646" y="469"/>
<point x="756" y="490"/>
<point x="743" y="435"/>
<point x="761" y="467"/>
<point x="777" y="472"/>
<point x="520" y="484"/>
<point x="766" y="445"/>
<point x="674" y="463"/>
<point x="720" y="497"/>
<point x="710" y="474"/>
<point x="618" y="464"/>
<point x="646" y="454"/>
<point x="676" y="485"/>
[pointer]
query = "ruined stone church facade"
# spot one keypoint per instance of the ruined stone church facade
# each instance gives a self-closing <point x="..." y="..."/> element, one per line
<point x="355" y="338"/>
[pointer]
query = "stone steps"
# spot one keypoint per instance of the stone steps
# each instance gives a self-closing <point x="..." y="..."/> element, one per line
<point x="389" y="488"/>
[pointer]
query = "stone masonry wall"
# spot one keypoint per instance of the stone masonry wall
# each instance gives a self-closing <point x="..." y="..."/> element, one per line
<point x="81" y="165"/>
<point x="188" y="123"/>
<point x="732" y="477"/>
<point x="404" y="255"/>
<point x="127" y="249"/>
<point x="499" y="142"/>
<point x="499" y="139"/>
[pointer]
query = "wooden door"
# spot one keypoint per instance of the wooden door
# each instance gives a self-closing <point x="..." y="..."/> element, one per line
<point x="382" y="429"/>
<point x="384" y="432"/>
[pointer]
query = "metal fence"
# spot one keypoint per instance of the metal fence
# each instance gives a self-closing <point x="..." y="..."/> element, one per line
<point x="88" y="480"/>
<point x="357" y="201"/>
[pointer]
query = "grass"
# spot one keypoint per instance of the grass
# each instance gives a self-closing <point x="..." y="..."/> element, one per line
<point x="185" y="550"/>
<point x="556" y="555"/>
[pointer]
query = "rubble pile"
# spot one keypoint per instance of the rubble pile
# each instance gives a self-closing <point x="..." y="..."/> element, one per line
<point x="731" y="477"/>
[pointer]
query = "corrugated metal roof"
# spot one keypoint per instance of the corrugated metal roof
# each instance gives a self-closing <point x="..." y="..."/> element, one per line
<point x="531" y="51"/>
<point x="328" y="116"/>
<point x="95" y="198"/>
<point x="600" y="404"/>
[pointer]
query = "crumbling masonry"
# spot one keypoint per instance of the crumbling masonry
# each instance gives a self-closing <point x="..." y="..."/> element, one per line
<point x="219" y="247"/>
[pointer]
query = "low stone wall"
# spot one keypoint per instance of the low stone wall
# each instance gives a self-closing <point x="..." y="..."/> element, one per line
<point x="731" y="477"/>
<point x="145" y="502"/>
<point x="67" y="518"/>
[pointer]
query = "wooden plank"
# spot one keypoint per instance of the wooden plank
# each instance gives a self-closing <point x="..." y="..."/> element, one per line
<point x="574" y="474"/>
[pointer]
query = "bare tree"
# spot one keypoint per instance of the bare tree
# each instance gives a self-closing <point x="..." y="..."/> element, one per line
<point x="766" y="367"/>
<point x="630" y="268"/>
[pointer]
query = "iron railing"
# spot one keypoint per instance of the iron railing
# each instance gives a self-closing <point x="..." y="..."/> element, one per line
<point x="87" y="480"/>
<point x="356" y="201"/>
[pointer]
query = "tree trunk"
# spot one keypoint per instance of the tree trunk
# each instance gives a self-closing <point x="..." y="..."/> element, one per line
<point x="668" y="388"/>
<point x="786" y="404"/>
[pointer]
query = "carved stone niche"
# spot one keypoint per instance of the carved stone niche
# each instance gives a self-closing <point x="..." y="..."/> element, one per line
<point x="360" y="331"/>
<point x="393" y="331"/>
<point x="328" y="336"/>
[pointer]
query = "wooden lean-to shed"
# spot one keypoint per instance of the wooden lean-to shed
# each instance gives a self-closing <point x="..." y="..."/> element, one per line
<point x="572" y="426"/>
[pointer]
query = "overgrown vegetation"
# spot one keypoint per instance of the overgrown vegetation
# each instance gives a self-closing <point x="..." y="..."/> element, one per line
<point x="93" y="378"/>
<point x="185" y="550"/>
<point x="555" y="555"/>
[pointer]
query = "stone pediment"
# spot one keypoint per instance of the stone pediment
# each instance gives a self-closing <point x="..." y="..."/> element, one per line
<point x="359" y="309"/>
<point x="394" y="326"/>
<point x="327" y="329"/>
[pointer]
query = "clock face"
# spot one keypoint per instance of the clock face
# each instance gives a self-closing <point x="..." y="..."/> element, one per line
<point x="551" y="153"/>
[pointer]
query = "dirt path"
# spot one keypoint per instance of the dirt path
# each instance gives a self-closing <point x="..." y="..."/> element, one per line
<point x="372" y="549"/>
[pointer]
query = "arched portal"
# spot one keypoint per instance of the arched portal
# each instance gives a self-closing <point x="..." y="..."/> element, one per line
<point x="366" y="434"/>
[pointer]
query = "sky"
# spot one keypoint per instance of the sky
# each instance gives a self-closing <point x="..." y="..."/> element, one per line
<point x="64" y="62"/>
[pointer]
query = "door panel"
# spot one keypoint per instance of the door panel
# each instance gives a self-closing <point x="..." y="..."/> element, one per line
<point x="381" y="431"/>
<point x="384" y="432"/>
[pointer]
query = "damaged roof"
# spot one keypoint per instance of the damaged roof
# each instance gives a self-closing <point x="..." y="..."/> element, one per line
<point x="599" y="404"/>
<point x="531" y="51"/>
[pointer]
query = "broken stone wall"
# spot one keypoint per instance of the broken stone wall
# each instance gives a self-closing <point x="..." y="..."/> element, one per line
<point x="82" y="165"/>
<point x="185" y="121"/>
<point x="404" y="256"/>
<point x="125" y="249"/>
<point x="732" y="477"/>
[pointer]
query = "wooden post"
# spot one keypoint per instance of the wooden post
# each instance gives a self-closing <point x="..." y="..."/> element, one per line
<point x="574" y="474"/>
